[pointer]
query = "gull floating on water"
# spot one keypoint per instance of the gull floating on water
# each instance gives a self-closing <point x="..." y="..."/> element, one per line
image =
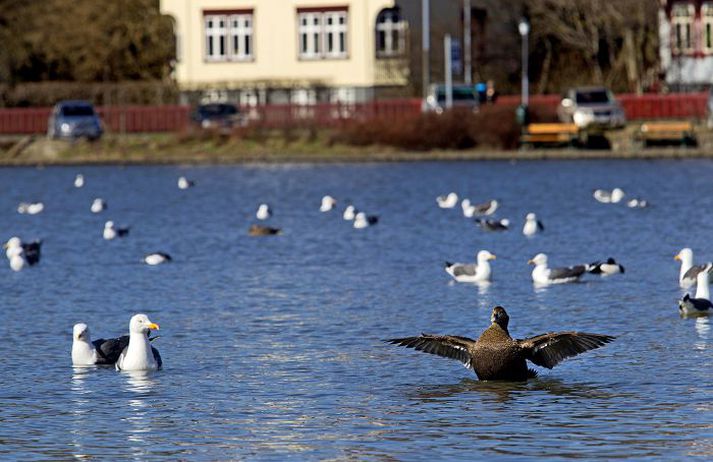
<point x="362" y="220"/>
<point x="86" y="352"/>
<point x="185" y="183"/>
<point x="472" y="272"/>
<point x="468" y="208"/>
<point x="30" y="208"/>
<point x="139" y="355"/>
<point x="689" y="271"/>
<point x="493" y="225"/>
<point x="98" y="205"/>
<point x="29" y="252"/>
<point x="544" y="275"/>
<point x="498" y="356"/>
<point x="263" y="212"/>
<point x="532" y="225"/>
<point x="448" y="201"/>
<point x="349" y="213"/>
<point x="606" y="197"/>
<point x="156" y="258"/>
<point x="112" y="232"/>
<point x="79" y="181"/>
<point x="487" y="208"/>
<point x="701" y="304"/>
<point x="328" y="203"/>
<point x="637" y="203"/>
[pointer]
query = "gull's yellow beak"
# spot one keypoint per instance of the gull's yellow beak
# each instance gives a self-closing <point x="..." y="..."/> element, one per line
<point x="153" y="326"/>
<point x="5" y="246"/>
<point x="530" y="262"/>
<point x="492" y="256"/>
<point x="677" y="257"/>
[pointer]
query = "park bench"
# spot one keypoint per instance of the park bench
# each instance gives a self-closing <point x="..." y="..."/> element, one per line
<point x="549" y="134"/>
<point x="680" y="132"/>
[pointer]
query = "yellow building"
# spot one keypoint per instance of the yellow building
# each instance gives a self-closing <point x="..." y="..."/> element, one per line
<point x="280" y="51"/>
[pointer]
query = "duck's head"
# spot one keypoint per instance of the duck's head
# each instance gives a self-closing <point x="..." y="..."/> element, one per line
<point x="500" y="317"/>
<point x="141" y="324"/>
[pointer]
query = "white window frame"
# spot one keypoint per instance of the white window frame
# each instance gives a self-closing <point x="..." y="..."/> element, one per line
<point x="707" y="27"/>
<point x="237" y="29"/>
<point x="682" y="24"/>
<point x="323" y="34"/>
<point x="394" y="25"/>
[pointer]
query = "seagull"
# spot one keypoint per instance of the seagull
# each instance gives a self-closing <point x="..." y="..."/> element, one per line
<point x="185" y="183"/>
<point x="493" y="225"/>
<point x="99" y="205"/>
<point x="606" y="197"/>
<point x="544" y="275"/>
<point x="362" y="220"/>
<point x="139" y="355"/>
<point x="497" y="356"/>
<point x="17" y="261"/>
<point x="349" y="213"/>
<point x="701" y="304"/>
<point x="472" y="272"/>
<point x="30" y="251"/>
<point x="79" y="181"/>
<point x="606" y="268"/>
<point x="260" y="230"/>
<point x="487" y="208"/>
<point x="689" y="271"/>
<point x="468" y="208"/>
<point x="156" y="258"/>
<point x="637" y="203"/>
<point x="532" y="225"/>
<point x="30" y="208"/>
<point x="328" y="203"/>
<point x="111" y="231"/>
<point x="86" y="352"/>
<point x="263" y="212"/>
<point x="447" y="202"/>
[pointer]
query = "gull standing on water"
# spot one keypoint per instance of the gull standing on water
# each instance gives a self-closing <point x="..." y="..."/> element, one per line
<point x="498" y="356"/>
<point x="139" y="355"/>
<point x="472" y="272"/>
<point x="701" y="304"/>
<point x="532" y="225"/>
<point x="689" y="271"/>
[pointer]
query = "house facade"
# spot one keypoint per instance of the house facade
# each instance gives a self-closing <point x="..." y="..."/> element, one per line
<point x="686" y="43"/>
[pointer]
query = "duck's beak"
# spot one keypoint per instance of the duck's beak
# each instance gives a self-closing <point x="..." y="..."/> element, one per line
<point x="677" y="257"/>
<point x="153" y="326"/>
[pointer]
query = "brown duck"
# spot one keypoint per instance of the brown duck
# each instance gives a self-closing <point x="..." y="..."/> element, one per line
<point x="497" y="356"/>
<point x="260" y="230"/>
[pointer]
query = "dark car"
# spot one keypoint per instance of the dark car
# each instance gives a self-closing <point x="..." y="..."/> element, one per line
<point x="217" y="115"/>
<point x="74" y="119"/>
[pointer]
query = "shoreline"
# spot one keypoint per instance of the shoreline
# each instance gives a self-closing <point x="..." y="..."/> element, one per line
<point x="168" y="149"/>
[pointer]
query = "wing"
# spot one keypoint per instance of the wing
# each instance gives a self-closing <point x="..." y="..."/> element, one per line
<point x="464" y="270"/>
<point x="566" y="273"/>
<point x="448" y="346"/>
<point x="540" y="226"/>
<point x="693" y="271"/>
<point x="157" y="357"/>
<point x="700" y="304"/>
<point x="109" y="350"/>
<point x="548" y="350"/>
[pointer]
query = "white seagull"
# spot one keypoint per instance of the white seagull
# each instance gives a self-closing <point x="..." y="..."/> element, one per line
<point x="701" y="304"/>
<point x="468" y="208"/>
<point x="362" y="220"/>
<point x="349" y="213"/>
<point x="532" y="225"/>
<point x="156" y="258"/>
<point x="328" y="203"/>
<point x="543" y="275"/>
<point x="30" y="208"/>
<point x="185" y="183"/>
<point x="98" y="205"/>
<point x="472" y="272"/>
<point x="263" y="212"/>
<point x="139" y="355"/>
<point x="447" y="202"/>
<point x="689" y="271"/>
<point x="112" y="232"/>
<point x="79" y="181"/>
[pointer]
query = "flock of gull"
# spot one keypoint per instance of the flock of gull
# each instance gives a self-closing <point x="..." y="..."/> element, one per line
<point x="495" y="355"/>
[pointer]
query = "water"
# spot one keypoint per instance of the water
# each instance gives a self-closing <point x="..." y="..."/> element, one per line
<point x="272" y="346"/>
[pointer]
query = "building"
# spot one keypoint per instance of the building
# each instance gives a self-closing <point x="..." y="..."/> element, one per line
<point x="686" y="43"/>
<point x="308" y="51"/>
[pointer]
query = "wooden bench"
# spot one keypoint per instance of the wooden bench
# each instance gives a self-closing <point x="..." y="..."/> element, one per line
<point x="666" y="132"/>
<point x="549" y="133"/>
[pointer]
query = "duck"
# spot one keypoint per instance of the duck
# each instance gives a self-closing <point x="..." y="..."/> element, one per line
<point x="98" y="205"/>
<point x="544" y="275"/>
<point x="260" y="230"/>
<point x="447" y="201"/>
<point x="688" y="272"/>
<point x="79" y="181"/>
<point x="362" y="220"/>
<point x="495" y="355"/>
<point x="607" y="268"/>
<point x="112" y="232"/>
<point x="328" y="203"/>
<point x="263" y="212"/>
<point x="185" y="183"/>
<point x="472" y="272"/>
<point x="701" y="304"/>
<point x="532" y="225"/>
<point x="156" y="258"/>
<point x="139" y="355"/>
<point x="493" y="225"/>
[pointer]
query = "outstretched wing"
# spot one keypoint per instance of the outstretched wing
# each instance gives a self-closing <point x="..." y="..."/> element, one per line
<point x="548" y="350"/>
<point x="448" y="346"/>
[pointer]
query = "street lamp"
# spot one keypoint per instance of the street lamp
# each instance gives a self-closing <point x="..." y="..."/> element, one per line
<point x="524" y="28"/>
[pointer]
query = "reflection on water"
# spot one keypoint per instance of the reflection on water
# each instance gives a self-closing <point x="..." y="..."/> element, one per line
<point x="702" y="328"/>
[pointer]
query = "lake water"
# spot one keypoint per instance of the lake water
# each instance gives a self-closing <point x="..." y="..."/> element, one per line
<point x="272" y="346"/>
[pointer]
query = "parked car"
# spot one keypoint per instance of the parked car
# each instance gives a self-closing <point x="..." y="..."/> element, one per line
<point x="74" y="119"/>
<point x="218" y="115"/>
<point x="464" y="96"/>
<point x="591" y="108"/>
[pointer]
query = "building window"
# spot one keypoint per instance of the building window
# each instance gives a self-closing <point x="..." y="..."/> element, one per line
<point x="707" y="15"/>
<point x="229" y="36"/>
<point x="390" y="33"/>
<point x="322" y="34"/>
<point x="682" y="16"/>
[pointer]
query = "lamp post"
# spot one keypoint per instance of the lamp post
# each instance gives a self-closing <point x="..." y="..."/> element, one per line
<point x="524" y="28"/>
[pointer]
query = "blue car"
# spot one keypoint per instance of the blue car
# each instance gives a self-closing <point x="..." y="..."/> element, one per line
<point x="74" y="119"/>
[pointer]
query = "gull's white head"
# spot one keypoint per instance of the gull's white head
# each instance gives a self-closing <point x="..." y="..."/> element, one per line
<point x="141" y="324"/>
<point x="684" y="256"/>
<point x="109" y="224"/>
<point x="361" y="216"/>
<point x="484" y="256"/>
<point x="617" y="194"/>
<point x="531" y="216"/>
<point x="13" y="243"/>
<point x="465" y="203"/>
<point x="538" y="260"/>
<point x="505" y="222"/>
<point x="81" y="332"/>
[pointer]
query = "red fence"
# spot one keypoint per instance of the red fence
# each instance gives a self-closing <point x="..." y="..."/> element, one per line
<point x="134" y="119"/>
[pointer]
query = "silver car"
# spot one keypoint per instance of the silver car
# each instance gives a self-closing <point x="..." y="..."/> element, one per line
<point x="591" y="108"/>
<point x="464" y="96"/>
<point x="74" y="119"/>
